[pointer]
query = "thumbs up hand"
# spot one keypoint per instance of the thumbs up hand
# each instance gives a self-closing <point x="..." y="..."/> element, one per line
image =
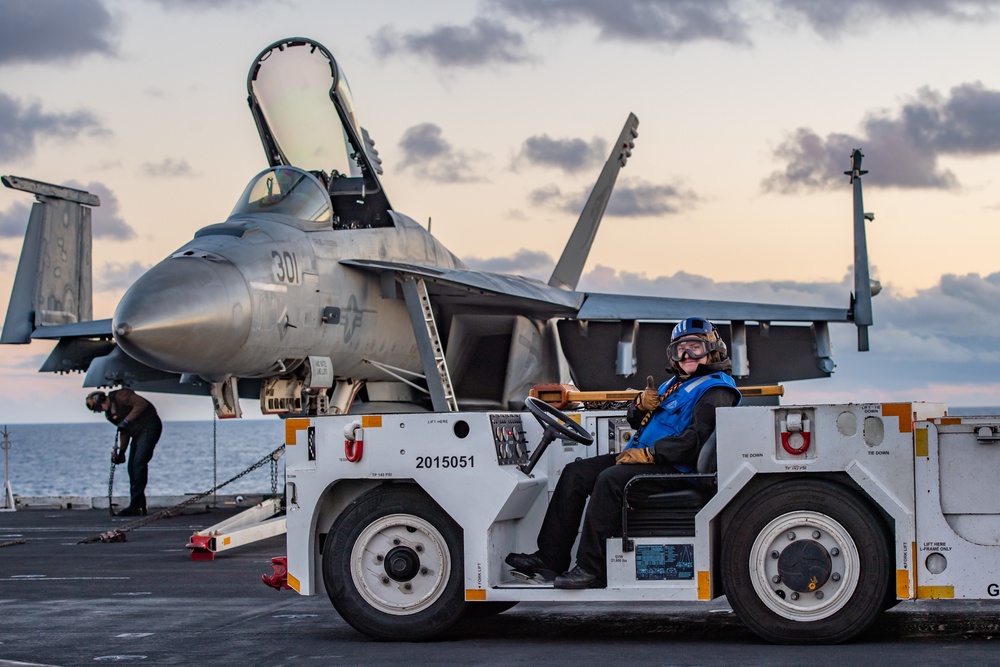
<point x="649" y="399"/>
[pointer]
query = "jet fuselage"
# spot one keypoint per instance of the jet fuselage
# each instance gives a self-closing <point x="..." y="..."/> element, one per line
<point x="254" y="296"/>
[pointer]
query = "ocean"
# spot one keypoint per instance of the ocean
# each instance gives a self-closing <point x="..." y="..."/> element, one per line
<point x="75" y="459"/>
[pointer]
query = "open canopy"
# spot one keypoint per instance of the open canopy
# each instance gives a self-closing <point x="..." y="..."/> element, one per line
<point x="305" y="108"/>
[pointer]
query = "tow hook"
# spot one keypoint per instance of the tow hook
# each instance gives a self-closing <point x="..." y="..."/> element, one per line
<point x="278" y="579"/>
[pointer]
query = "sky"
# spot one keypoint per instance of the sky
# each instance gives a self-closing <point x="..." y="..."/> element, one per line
<point x="493" y="118"/>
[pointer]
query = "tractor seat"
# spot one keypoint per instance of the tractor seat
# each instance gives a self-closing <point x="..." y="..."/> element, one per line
<point x="648" y="512"/>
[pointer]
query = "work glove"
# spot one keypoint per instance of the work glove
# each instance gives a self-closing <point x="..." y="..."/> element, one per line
<point x="649" y="399"/>
<point x="635" y="455"/>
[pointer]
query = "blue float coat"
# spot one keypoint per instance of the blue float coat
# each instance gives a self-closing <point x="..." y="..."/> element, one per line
<point x="675" y="411"/>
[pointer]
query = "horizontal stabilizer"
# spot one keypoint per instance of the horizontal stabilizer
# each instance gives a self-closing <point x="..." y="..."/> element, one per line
<point x="86" y="329"/>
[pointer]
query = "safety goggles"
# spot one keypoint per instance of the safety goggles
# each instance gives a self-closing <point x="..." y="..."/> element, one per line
<point x="692" y="348"/>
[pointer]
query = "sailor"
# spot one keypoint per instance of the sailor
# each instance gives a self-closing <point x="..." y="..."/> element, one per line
<point x="138" y="426"/>
<point x="673" y="422"/>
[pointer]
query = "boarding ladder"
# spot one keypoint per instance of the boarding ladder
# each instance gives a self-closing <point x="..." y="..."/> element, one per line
<point x="425" y="329"/>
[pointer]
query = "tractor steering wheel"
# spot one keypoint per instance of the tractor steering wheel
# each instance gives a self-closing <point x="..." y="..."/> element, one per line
<point x="550" y="418"/>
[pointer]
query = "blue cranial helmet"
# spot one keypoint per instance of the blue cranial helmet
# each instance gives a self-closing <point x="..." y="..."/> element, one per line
<point x="692" y="326"/>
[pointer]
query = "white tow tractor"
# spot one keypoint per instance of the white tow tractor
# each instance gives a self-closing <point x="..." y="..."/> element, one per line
<point x="815" y="519"/>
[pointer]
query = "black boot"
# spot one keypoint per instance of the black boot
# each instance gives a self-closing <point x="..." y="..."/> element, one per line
<point x="132" y="510"/>
<point x="578" y="578"/>
<point x="531" y="565"/>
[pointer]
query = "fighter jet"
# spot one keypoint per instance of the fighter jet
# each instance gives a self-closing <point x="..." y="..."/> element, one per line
<point x="317" y="297"/>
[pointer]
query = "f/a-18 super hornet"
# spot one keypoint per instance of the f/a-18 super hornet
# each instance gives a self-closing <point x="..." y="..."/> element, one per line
<point x="316" y="296"/>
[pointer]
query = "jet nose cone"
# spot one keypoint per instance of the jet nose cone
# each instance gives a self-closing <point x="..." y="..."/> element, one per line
<point x="185" y="315"/>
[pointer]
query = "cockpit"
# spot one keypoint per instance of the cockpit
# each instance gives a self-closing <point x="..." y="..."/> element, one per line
<point x="287" y="191"/>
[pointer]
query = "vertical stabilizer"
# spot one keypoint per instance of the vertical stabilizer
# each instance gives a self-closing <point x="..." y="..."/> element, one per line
<point x="53" y="283"/>
<point x="570" y="266"/>
<point x="861" y="304"/>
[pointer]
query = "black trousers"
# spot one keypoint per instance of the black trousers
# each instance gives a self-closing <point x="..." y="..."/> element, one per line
<point x="604" y="482"/>
<point x="140" y="452"/>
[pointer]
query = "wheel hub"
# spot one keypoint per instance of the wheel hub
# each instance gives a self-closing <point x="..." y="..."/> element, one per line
<point x="805" y="566"/>
<point x="402" y="564"/>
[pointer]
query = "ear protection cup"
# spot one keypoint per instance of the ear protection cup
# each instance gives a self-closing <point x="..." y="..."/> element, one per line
<point x="95" y="397"/>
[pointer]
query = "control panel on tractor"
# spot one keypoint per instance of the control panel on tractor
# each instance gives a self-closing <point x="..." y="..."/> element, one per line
<point x="509" y="439"/>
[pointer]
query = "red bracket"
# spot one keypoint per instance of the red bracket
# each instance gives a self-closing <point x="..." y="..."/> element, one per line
<point x="202" y="547"/>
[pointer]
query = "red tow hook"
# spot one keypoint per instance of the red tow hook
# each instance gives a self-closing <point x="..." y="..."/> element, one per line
<point x="278" y="580"/>
<point x="354" y="442"/>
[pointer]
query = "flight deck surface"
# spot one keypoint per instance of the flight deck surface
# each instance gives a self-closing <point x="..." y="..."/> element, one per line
<point x="144" y="601"/>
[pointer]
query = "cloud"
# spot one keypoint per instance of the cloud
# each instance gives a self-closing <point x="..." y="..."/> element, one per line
<point x="54" y="30"/>
<point x="681" y="22"/>
<point x="105" y="219"/>
<point x="14" y="221"/>
<point x="428" y="155"/>
<point x="636" y="198"/>
<point x="489" y="40"/>
<point x="22" y="125"/>
<point x="570" y="155"/>
<point x="632" y="198"/>
<point x="673" y="22"/>
<point x="117" y="276"/>
<point x="199" y="5"/>
<point x="901" y="148"/>
<point x="693" y="286"/>
<point x="31" y="362"/>
<point x="529" y="263"/>
<point x="549" y="195"/>
<point x="831" y="19"/>
<point x="483" y="42"/>
<point x="168" y="168"/>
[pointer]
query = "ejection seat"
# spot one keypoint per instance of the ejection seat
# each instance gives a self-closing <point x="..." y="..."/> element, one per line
<point x="647" y="512"/>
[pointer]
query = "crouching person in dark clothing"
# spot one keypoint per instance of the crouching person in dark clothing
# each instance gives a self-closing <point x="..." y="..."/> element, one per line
<point x="673" y="423"/>
<point x="139" y="429"/>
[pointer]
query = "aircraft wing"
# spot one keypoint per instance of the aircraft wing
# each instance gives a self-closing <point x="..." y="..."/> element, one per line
<point x="597" y="306"/>
<point x="457" y="287"/>
<point x="465" y="289"/>
<point x="603" y="335"/>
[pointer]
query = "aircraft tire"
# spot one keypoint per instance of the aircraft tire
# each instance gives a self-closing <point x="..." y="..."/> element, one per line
<point x="806" y="562"/>
<point x="392" y="565"/>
